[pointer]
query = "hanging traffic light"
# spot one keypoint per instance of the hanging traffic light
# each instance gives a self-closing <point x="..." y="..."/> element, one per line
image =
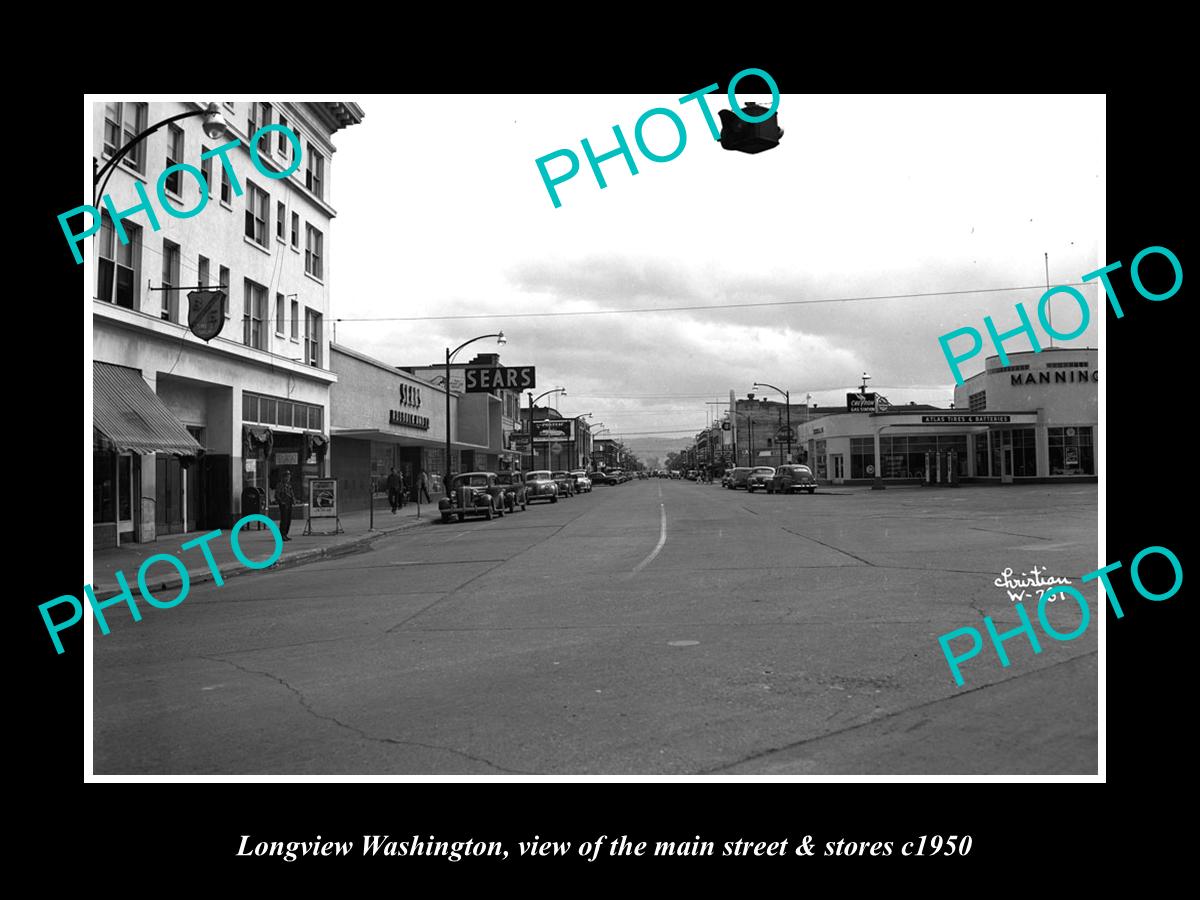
<point x="749" y="137"/>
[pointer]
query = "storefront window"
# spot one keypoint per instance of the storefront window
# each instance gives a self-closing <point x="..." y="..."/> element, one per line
<point x="1071" y="450"/>
<point x="103" y="486"/>
<point x="1024" y="453"/>
<point x="981" y="455"/>
<point x="903" y="456"/>
<point x="862" y="457"/>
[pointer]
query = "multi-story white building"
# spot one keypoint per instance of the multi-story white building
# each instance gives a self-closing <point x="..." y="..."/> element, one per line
<point x="183" y="426"/>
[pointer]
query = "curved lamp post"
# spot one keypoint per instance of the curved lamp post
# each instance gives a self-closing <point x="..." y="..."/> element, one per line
<point x="450" y="354"/>
<point x="787" y="398"/>
<point x="532" y="401"/>
<point x="215" y="128"/>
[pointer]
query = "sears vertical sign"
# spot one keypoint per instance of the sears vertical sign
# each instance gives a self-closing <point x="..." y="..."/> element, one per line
<point x="487" y="379"/>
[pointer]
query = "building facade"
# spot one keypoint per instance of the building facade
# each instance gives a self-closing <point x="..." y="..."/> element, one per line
<point x="385" y="418"/>
<point x="255" y="399"/>
<point x="1032" y="420"/>
<point x="487" y="424"/>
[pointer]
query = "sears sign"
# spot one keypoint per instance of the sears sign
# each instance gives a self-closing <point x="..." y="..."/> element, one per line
<point x="486" y="380"/>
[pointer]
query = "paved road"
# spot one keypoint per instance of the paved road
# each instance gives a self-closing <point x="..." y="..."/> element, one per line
<point x="655" y="627"/>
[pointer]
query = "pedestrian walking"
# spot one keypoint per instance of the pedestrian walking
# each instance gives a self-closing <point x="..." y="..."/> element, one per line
<point x="422" y="489"/>
<point x="394" y="485"/>
<point x="285" y="496"/>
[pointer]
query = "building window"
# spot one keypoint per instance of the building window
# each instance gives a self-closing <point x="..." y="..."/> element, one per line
<point x="978" y="401"/>
<point x="1023" y="444"/>
<point x="258" y="115"/>
<point x="313" y="252"/>
<point x="314" y="175"/>
<point x="226" y="188"/>
<point x="170" y="281"/>
<point x="1071" y="450"/>
<point x="254" y="315"/>
<point x="280" y="220"/>
<point x="202" y="272"/>
<point x="122" y="123"/>
<point x="282" y="142"/>
<point x="174" y="157"/>
<point x="1067" y="365"/>
<point x="312" y="338"/>
<point x="224" y="285"/>
<point x="296" y="230"/>
<point x="904" y="456"/>
<point x="263" y="410"/>
<point x="981" y="455"/>
<point x="295" y="320"/>
<point x="258" y="211"/>
<point x="117" y="275"/>
<point x="206" y="171"/>
<point x="280" y="309"/>
<point x="862" y="458"/>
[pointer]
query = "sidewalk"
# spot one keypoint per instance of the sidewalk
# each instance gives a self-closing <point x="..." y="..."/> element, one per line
<point x="255" y="545"/>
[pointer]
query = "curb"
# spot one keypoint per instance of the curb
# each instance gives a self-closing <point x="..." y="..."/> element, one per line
<point x="286" y="561"/>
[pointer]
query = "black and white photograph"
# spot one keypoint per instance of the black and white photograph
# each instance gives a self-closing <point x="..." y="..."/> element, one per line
<point x="715" y="431"/>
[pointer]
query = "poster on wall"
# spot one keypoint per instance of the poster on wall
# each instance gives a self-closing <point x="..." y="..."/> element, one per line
<point x="322" y="498"/>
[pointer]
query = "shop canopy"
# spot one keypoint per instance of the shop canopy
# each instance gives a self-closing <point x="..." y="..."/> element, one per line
<point x="132" y="417"/>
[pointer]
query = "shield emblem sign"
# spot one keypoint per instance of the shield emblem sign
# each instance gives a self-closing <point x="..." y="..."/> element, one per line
<point x="206" y="313"/>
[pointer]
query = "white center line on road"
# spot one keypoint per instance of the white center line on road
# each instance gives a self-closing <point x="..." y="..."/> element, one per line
<point x="662" y="539"/>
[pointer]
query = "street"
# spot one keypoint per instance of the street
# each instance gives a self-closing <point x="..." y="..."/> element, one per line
<point x="652" y="627"/>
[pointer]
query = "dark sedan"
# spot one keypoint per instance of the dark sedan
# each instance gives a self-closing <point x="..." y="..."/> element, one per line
<point x="789" y="479"/>
<point x="539" y="485"/>
<point x="515" y="493"/>
<point x="565" y="482"/>
<point x="758" y="478"/>
<point x="473" y="494"/>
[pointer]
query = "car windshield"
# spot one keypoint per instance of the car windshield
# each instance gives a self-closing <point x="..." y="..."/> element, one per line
<point x="472" y="481"/>
<point x="537" y="476"/>
<point x="560" y="475"/>
<point x="764" y="470"/>
<point x="802" y="470"/>
<point x="580" y="473"/>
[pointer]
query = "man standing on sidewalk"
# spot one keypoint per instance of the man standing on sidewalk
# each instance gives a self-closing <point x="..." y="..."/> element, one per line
<point x="394" y="486"/>
<point x="422" y="488"/>
<point x="285" y="496"/>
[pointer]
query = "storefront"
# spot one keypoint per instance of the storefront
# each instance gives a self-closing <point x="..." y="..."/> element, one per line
<point x="1034" y="419"/>
<point x="142" y="457"/>
<point x="384" y="419"/>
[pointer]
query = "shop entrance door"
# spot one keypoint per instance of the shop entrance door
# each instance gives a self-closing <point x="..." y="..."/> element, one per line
<point x="1006" y="476"/>
<point x="214" y="491"/>
<point x="169" y="499"/>
<point x="839" y="471"/>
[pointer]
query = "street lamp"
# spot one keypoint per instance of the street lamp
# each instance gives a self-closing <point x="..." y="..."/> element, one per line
<point x="787" y="398"/>
<point x="215" y="127"/>
<point x="450" y="354"/>
<point x="532" y="401"/>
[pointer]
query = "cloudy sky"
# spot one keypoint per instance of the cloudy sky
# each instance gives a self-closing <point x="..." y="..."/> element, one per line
<point x="442" y="212"/>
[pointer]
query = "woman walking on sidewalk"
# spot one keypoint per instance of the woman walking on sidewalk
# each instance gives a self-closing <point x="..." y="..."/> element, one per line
<point x="285" y="496"/>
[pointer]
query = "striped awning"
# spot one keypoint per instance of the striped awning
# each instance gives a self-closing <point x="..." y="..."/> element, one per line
<point x="129" y="414"/>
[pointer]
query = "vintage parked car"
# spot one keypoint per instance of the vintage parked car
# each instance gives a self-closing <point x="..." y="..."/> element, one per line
<point x="565" y="482"/>
<point x="583" y="484"/>
<point x="601" y="477"/>
<point x="758" y="478"/>
<point x="539" y="485"/>
<point x="789" y="479"/>
<point x="514" y="490"/>
<point x="738" y="476"/>
<point x="473" y="494"/>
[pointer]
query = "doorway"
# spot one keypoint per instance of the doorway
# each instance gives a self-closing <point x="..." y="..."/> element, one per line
<point x="1006" y="470"/>
<point x="839" y="467"/>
